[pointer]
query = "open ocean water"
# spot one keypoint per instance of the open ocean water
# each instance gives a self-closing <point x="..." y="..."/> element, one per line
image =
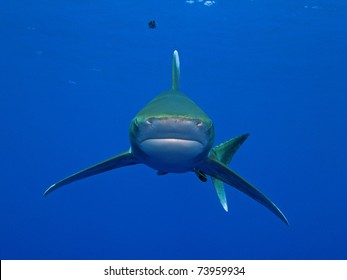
<point x="74" y="73"/>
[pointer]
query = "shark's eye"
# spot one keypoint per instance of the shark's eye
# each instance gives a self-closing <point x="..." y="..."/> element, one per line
<point x="199" y="123"/>
<point x="149" y="122"/>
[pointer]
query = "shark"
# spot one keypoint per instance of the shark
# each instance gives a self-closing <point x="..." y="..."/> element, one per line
<point x="172" y="134"/>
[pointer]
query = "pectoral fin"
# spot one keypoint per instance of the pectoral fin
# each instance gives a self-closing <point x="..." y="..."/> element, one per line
<point x="224" y="152"/>
<point x="117" y="161"/>
<point x="216" y="169"/>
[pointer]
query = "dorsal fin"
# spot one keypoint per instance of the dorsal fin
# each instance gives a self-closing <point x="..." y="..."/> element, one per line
<point x="175" y="71"/>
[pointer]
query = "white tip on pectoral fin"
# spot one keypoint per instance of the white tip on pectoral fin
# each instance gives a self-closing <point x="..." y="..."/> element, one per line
<point x="175" y="71"/>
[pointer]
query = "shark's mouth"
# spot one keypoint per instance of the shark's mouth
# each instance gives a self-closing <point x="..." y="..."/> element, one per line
<point x="171" y="147"/>
<point x="172" y="154"/>
<point x="172" y="141"/>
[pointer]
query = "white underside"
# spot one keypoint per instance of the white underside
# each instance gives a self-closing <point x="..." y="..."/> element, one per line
<point x="171" y="155"/>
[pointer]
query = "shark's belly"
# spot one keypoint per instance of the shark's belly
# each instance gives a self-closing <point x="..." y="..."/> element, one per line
<point x="171" y="155"/>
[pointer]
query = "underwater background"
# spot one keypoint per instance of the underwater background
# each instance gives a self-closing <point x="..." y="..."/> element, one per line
<point x="74" y="73"/>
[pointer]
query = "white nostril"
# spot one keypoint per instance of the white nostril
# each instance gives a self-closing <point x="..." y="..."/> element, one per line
<point x="148" y="122"/>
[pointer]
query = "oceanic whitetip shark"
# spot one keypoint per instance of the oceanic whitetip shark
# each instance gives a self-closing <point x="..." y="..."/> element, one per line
<point x="171" y="134"/>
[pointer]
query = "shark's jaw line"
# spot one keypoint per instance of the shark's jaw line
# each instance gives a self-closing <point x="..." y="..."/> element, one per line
<point x="172" y="155"/>
<point x="172" y="140"/>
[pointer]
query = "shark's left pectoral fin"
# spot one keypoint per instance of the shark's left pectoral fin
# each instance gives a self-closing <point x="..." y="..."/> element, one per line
<point x="216" y="169"/>
<point x="117" y="161"/>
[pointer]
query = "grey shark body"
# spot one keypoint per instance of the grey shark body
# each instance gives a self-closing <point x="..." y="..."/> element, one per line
<point x="171" y="134"/>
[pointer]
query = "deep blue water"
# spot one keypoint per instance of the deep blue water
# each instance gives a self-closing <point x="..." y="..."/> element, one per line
<point x="74" y="73"/>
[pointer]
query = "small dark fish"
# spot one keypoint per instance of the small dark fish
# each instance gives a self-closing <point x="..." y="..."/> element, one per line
<point x="152" y="24"/>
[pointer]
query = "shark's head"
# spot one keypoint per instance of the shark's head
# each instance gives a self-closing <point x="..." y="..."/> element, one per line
<point x="171" y="143"/>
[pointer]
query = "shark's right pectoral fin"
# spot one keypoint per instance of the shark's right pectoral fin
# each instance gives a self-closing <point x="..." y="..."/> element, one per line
<point x="117" y="161"/>
<point x="217" y="169"/>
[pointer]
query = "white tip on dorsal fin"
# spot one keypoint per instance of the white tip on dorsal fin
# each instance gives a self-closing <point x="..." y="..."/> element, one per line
<point x="175" y="71"/>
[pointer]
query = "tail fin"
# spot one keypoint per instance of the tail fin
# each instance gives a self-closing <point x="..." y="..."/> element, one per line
<point x="224" y="152"/>
<point x="175" y="71"/>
